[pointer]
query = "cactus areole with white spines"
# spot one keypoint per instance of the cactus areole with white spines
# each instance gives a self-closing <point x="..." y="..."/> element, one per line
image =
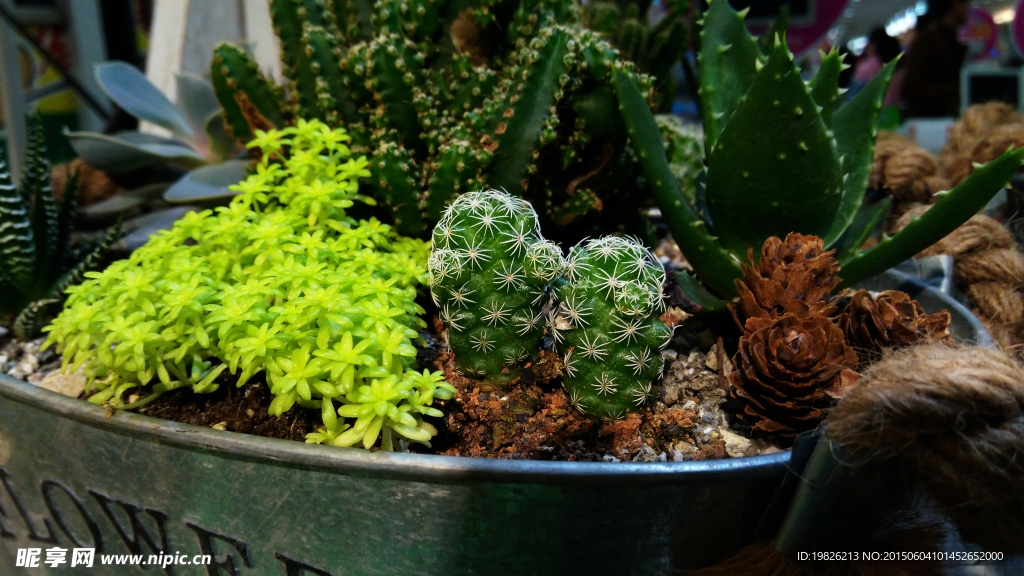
<point x="489" y="272"/>
<point x="493" y="276"/>
<point x="606" y="325"/>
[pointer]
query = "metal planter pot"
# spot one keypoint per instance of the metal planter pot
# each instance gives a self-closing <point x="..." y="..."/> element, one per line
<point x="73" y="476"/>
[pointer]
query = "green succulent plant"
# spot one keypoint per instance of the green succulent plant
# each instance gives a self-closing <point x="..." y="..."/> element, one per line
<point x="489" y="272"/>
<point x="281" y="282"/>
<point x="37" y="260"/>
<point x="684" y="148"/>
<point x="655" y="49"/>
<point x="493" y="275"/>
<point x="607" y="322"/>
<point x="783" y="156"/>
<point x="445" y="96"/>
<point x="199" y="142"/>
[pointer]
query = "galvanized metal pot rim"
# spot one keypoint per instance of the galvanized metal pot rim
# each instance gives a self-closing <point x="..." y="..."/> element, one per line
<point x="420" y="466"/>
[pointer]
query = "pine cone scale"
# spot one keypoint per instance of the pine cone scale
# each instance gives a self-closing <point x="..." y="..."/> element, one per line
<point x="890" y="320"/>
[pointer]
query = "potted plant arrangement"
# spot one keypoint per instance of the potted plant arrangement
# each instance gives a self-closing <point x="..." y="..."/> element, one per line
<point x="302" y="308"/>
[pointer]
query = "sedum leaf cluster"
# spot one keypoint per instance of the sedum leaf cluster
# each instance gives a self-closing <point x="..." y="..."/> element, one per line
<point x="280" y="282"/>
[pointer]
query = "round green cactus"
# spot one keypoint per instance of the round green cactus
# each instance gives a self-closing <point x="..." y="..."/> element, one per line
<point x="606" y="323"/>
<point x="489" y="271"/>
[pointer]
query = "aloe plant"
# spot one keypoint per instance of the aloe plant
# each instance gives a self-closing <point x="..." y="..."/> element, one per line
<point x="783" y="157"/>
<point x="200" y="142"/>
<point x="37" y="261"/>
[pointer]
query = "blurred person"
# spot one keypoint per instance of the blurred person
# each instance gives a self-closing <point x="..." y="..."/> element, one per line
<point x="879" y="51"/>
<point x="931" y="86"/>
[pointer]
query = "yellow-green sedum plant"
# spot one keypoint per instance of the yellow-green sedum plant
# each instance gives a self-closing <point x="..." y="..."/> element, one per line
<point x="281" y="282"/>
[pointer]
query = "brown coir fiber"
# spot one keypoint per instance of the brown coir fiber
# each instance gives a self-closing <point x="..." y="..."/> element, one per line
<point x="981" y="135"/>
<point x="988" y="269"/>
<point x="954" y="417"/>
<point x="910" y="172"/>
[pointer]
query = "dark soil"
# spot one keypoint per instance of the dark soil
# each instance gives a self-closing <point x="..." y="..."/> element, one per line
<point x="532" y="419"/>
<point x="234" y="409"/>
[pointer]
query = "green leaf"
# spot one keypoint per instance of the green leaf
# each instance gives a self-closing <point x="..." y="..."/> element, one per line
<point x="766" y="41"/>
<point x="17" y="244"/>
<point x="45" y="231"/>
<point x="197" y="101"/>
<point x="715" y="267"/>
<point x="66" y="212"/>
<point x="123" y="202"/>
<point x="952" y="209"/>
<point x="91" y="262"/>
<point x="128" y="151"/>
<point x="856" y="128"/>
<point x="134" y="93"/>
<point x="137" y="231"/>
<point x="865" y="222"/>
<point x="727" y="65"/>
<point x="699" y="295"/>
<point x="221" y="142"/>
<point x="775" y="169"/>
<point x="208" y="183"/>
<point x="825" y="84"/>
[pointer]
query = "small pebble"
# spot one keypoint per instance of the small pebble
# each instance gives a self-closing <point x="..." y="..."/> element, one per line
<point x="735" y="445"/>
<point x="72" y="385"/>
<point x="220" y="426"/>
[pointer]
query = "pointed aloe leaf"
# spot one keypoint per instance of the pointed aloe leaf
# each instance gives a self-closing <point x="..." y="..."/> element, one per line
<point x="952" y="209"/>
<point x="697" y="294"/>
<point x="713" y="265"/>
<point x="766" y="41"/>
<point x="208" y="182"/>
<point x="727" y="67"/>
<point x="17" y="244"/>
<point x="825" y="84"/>
<point x="855" y="126"/>
<point x="775" y="169"/>
<point x="865" y="222"/>
<point x="129" y="151"/>
<point x="133" y="92"/>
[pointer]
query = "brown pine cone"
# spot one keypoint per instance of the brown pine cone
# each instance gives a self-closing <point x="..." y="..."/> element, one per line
<point x="892" y="320"/>
<point x="792" y="277"/>
<point x="789" y="371"/>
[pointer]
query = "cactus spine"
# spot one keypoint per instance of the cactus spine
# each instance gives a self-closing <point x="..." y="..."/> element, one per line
<point x="447" y="96"/>
<point x="607" y="323"/>
<point x="489" y="271"/>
